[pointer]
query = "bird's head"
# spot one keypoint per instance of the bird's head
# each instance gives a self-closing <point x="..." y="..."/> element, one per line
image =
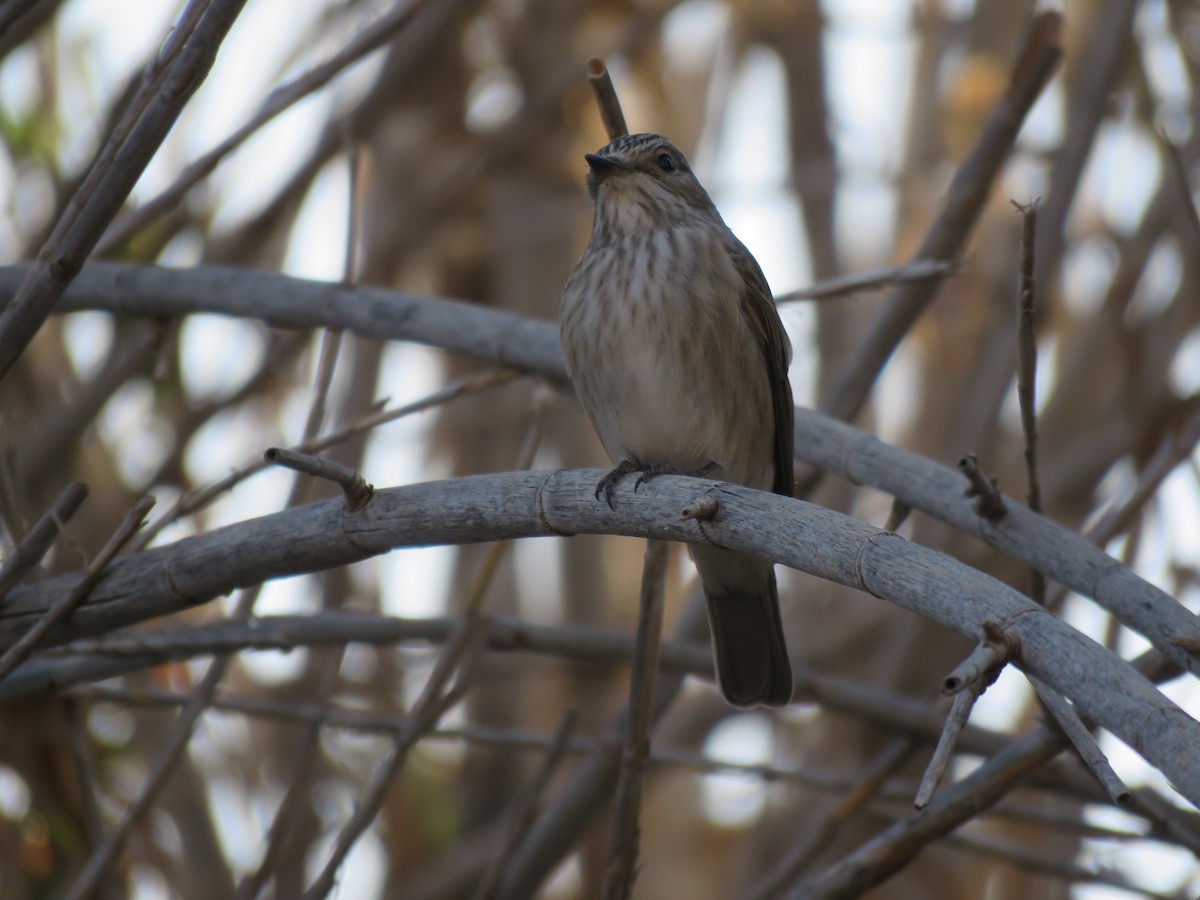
<point x="641" y="182"/>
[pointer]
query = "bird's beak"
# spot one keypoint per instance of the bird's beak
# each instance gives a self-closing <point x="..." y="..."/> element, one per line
<point x="603" y="166"/>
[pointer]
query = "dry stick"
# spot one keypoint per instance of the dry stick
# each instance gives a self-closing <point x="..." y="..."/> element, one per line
<point x="967" y="683"/>
<point x="526" y="807"/>
<point x="63" y="608"/>
<point x="301" y="777"/>
<point x="985" y="657"/>
<point x="965" y="200"/>
<point x="897" y="516"/>
<point x="834" y="288"/>
<point x="895" y="847"/>
<point x="1027" y="377"/>
<point x="956" y="720"/>
<point x="358" y="495"/>
<point x="358" y="492"/>
<point x="144" y="648"/>
<point x="851" y="552"/>
<point x="623" y="851"/>
<point x="37" y="541"/>
<point x="196" y="500"/>
<point x="437" y="697"/>
<point x="1029" y="863"/>
<point x="1059" y="708"/>
<point x="373" y="723"/>
<point x="168" y="756"/>
<point x="280" y="99"/>
<point x="181" y="733"/>
<point x="100" y="196"/>
<point x="893" y="756"/>
<point x="1083" y="741"/>
<point x="358" y="720"/>
<point x="606" y="99"/>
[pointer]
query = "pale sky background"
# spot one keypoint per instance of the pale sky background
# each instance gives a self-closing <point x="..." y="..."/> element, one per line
<point x="869" y="57"/>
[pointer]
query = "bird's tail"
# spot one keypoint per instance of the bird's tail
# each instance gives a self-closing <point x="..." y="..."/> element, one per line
<point x="753" y="668"/>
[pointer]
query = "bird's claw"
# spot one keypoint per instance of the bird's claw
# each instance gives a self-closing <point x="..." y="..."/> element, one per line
<point x="608" y="484"/>
<point x="655" y="469"/>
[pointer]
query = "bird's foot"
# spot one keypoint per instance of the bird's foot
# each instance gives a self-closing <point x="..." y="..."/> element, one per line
<point x="655" y="469"/>
<point x="609" y="482"/>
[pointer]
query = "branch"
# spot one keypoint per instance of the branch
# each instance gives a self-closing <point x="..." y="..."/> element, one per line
<point x="33" y="546"/>
<point x="118" y="166"/>
<point x="623" y="851"/>
<point x="68" y="602"/>
<point x="965" y="200"/>
<point x="532" y="346"/>
<point x="371" y="38"/>
<point x="1027" y="376"/>
<point x="496" y="507"/>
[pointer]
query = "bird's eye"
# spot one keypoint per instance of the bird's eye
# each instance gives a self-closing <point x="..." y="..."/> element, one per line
<point x="666" y="163"/>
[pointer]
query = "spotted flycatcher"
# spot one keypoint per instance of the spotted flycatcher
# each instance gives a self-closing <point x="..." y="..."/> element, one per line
<point x="680" y="361"/>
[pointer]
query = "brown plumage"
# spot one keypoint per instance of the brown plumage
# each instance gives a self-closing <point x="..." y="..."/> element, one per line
<point x="680" y="361"/>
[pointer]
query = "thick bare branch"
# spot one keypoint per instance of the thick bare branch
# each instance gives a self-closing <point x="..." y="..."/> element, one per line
<point x="492" y="507"/>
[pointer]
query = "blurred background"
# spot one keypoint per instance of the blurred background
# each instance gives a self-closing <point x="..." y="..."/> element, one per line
<point x="827" y="134"/>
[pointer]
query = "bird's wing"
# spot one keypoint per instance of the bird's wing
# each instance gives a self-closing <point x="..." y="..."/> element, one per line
<point x="758" y="308"/>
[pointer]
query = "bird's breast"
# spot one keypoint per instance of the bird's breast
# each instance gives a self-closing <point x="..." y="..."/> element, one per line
<point x="663" y="361"/>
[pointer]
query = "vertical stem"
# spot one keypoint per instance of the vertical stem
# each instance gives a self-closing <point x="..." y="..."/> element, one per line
<point x="622" y="858"/>
<point x="1027" y="376"/>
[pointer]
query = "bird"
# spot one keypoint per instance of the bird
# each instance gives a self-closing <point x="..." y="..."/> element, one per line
<point x="678" y="356"/>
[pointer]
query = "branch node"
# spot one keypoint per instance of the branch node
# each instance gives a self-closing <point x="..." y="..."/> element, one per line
<point x="989" y="502"/>
<point x="704" y="509"/>
<point x="980" y="669"/>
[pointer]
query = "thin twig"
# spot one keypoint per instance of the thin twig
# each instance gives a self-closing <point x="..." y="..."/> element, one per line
<point x="371" y="38"/>
<point x="358" y="492"/>
<point x="965" y="200"/>
<point x="164" y="762"/>
<point x="37" y="541"/>
<point x="1029" y="862"/>
<point x="196" y="500"/>
<point x="983" y="659"/>
<point x="897" y="516"/>
<point x="1027" y="376"/>
<point x="526" y="806"/>
<point x="606" y="99"/>
<point x="623" y="851"/>
<point x="107" y="186"/>
<point x="63" y="608"/>
<point x="1082" y="740"/>
<point x="361" y="721"/>
<point x="960" y="711"/>
<point x="909" y="273"/>
<point x="301" y="778"/>
<point x="892" y="757"/>
<point x="967" y="682"/>
<point x="438" y="696"/>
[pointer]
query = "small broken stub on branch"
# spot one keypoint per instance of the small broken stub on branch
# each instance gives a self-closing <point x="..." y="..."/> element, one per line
<point x="705" y="509"/>
<point x="989" y="502"/>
